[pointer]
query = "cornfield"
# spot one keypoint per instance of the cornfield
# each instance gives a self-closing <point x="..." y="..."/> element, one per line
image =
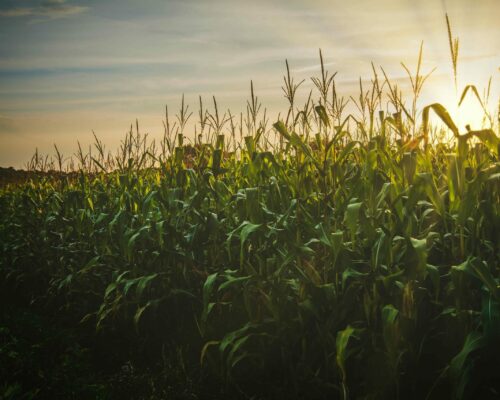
<point x="322" y="255"/>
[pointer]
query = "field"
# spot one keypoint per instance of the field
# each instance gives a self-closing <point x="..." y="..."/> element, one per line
<point x="322" y="255"/>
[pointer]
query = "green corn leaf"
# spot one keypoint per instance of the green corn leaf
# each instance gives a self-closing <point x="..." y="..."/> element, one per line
<point x="480" y="270"/>
<point x="233" y="282"/>
<point x="490" y="315"/>
<point x="351" y="217"/>
<point x="346" y="151"/>
<point x="420" y="260"/>
<point x="143" y="283"/>
<point x="282" y="130"/>
<point x="486" y="136"/>
<point x="458" y="370"/>
<point x="208" y="288"/>
<point x="474" y="91"/>
<point x="141" y="310"/>
<point x="321" y="111"/>
<point x="341" y="347"/>
<point x="443" y="114"/>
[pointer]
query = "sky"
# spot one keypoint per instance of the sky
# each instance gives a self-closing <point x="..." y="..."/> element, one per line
<point x="71" y="67"/>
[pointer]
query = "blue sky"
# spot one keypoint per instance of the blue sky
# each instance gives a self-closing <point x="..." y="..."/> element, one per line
<point x="68" y="67"/>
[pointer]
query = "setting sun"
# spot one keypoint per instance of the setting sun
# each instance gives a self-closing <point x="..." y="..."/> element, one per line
<point x="469" y="112"/>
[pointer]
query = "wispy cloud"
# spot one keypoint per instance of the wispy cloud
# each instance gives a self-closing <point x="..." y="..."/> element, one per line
<point x="49" y="9"/>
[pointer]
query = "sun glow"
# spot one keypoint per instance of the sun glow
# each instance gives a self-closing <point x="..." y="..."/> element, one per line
<point x="469" y="113"/>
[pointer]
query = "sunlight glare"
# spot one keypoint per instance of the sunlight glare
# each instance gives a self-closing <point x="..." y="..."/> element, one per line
<point x="469" y="113"/>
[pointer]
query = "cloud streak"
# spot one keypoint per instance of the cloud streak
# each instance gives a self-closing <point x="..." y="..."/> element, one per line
<point x="49" y="9"/>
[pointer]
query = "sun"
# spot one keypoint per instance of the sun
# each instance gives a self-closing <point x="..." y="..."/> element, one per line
<point x="468" y="115"/>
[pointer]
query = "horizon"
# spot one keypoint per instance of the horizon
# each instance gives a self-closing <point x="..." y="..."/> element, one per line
<point x="68" y="68"/>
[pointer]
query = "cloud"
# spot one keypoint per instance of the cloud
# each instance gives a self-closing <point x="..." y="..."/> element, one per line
<point x="48" y="9"/>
